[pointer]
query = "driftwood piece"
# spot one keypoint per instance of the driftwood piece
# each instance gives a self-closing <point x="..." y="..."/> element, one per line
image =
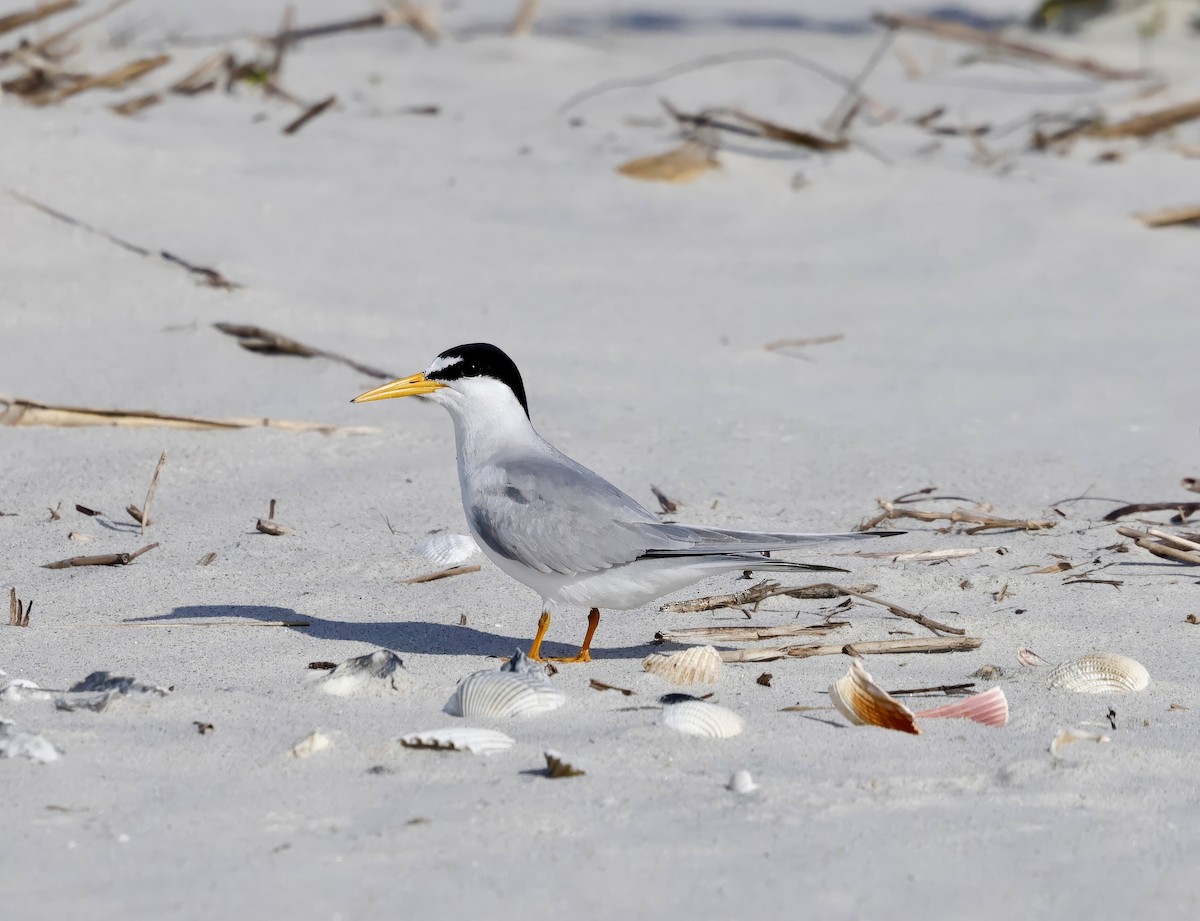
<point x="1168" y="546"/>
<point x="266" y="342"/>
<point x="104" y="559"/>
<point x="1170" y="217"/>
<point x="1144" y="126"/>
<point x="22" y="18"/>
<point x="15" y="411"/>
<point x="760" y="592"/>
<point x="443" y="574"/>
<point x="998" y="44"/>
<point x="982" y="520"/>
<point x="1180" y="508"/>
<point x="744" y="634"/>
<point x="871" y="647"/>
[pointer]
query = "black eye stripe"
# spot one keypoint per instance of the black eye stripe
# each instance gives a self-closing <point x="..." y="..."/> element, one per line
<point x="481" y="359"/>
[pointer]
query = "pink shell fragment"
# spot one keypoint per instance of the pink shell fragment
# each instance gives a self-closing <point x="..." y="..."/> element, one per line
<point x="989" y="708"/>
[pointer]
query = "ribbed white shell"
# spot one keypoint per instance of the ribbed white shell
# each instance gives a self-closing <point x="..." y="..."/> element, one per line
<point x="1101" y="673"/>
<point x="700" y="718"/>
<point x="447" y="549"/>
<point x="695" y="665"/>
<point x="460" y="739"/>
<point x="504" y="694"/>
<point x="379" y="672"/>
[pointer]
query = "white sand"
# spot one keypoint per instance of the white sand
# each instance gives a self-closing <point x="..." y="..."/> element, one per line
<point x="1010" y="335"/>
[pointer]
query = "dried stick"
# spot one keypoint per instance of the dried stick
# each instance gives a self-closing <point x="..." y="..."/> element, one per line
<point x="780" y="344"/>
<point x="105" y="559"/>
<point x="938" y="689"/>
<point x="309" y="114"/>
<point x="983" y="521"/>
<point x="257" y="339"/>
<point x="15" y="411"/>
<point x="211" y="276"/>
<point x="926" y="622"/>
<point x="918" y="556"/>
<point x="110" y="80"/>
<point x="1168" y="546"/>
<point x="873" y="647"/>
<point x="1144" y="126"/>
<point x="843" y="113"/>
<point x="46" y="45"/>
<point x="145" y="510"/>
<point x="990" y="41"/>
<point x="760" y="592"/>
<point x="1182" y="508"/>
<point x="744" y="634"/>
<point x="668" y="505"/>
<point x="18" y="615"/>
<point x="601" y="686"/>
<point x="758" y="127"/>
<point x="443" y="574"/>
<point x="14" y="21"/>
<point x="1169" y="217"/>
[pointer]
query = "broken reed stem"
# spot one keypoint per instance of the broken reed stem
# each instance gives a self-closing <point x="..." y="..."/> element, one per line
<point x="758" y="593"/>
<point x="1181" y="508"/>
<point x="151" y="491"/>
<point x="104" y="559"/>
<point x="1170" y="217"/>
<point x="18" y="615"/>
<point x="744" y="634"/>
<point x="754" y="127"/>
<point x="46" y="45"/>
<point x="443" y="574"/>
<point x="268" y="342"/>
<point x="918" y="556"/>
<point x="522" y="22"/>
<point x="926" y="622"/>
<point x="990" y="41"/>
<point x="1143" y="126"/>
<point x="872" y="647"/>
<point x="781" y="344"/>
<point x="19" y="20"/>
<point x="1168" y="546"/>
<point x="938" y="689"/>
<point x="983" y="521"/>
<point x="110" y="80"/>
<point x="308" y="115"/>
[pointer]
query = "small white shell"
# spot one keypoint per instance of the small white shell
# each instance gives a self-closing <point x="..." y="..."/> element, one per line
<point x="695" y="665"/>
<point x="864" y="703"/>
<point x="518" y="688"/>
<point x="460" y="739"/>
<point x="742" y="783"/>
<point x="311" y="744"/>
<point x="1101" y="673"/>
<point x="1068" y="736"/>
<point x="17" y="744"/>
<point x="378" y="672"/>
<point x="447" y="549"/>
<point x="21" y="688"/>
<point x="700" y="718"/>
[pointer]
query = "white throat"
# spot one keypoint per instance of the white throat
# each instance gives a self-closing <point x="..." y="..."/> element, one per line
<point x="488" y="420"/>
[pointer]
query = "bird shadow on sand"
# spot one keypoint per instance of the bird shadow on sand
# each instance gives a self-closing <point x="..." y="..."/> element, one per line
<point x="412" y="636"/>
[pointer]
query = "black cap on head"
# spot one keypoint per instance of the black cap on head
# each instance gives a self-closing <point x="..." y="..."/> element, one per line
<point x="479" y="359"/>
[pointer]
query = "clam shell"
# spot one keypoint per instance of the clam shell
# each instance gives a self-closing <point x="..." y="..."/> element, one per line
<point x="460" y="739"/>
<point x="17" y="744"/>
<point x="741" y="782"/>
<point x="700" y="718"/>
<point x="695" y="665"/>
<point x="378" y="672"/>
<point x="518" y="688"/>
<point x="447" y="549"/>
<point x="1068" y="736"/>
<point x="989" y="708"/>
<point x="558" y="766"/>
<point x="1101" y="673"/>
<point x="864" y="703"/>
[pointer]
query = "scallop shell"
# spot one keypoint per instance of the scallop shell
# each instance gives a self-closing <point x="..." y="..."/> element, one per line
<point x="699" y="718"/>
<point x="864" y="703"/>
<point x="460" y="739"/>
<point x="17" y="744"/>
<point x="1101" y="673"/>
<point x="1068" y="736"/>
<point x="518" y="688"/>
<point x="989" y="708"/>
<point x="558" y="766"/>
<point x="378" y="672"/>
<point x="447" y="549"/>
<point x="695" y="665"/>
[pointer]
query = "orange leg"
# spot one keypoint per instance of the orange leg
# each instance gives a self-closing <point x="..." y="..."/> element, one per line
<point x="583" y="655"/>
<point x="535" y="649"/>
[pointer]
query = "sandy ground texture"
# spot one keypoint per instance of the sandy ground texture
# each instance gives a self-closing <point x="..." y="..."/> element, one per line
<point x="1011" y="335"/>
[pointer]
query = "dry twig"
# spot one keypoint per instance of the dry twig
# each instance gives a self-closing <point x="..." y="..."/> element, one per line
<point x="104" y="559"/>
<point x="309" y="114"/>
<point x="781" y="344"/>
<point x="998" y="44"/>
<point x="1168" y="546"/>
<point x="669" y="506"/>
<point x="1144" y="126"/>
<point x="926" y="622"/>
<point x="443" y="574"/>
<point x="19" y="20"/>
<point x="18" y="614"/>
<point x="983" y="521"/>
<point x="1170" y="217"/>
<point x="266" y="342"/>
<point x="601" y="686"/>
<point x="110" y="80"/>
<point x="744" y="634"/>
<point x="873" y="647"/>
<point x="760" y="592"/>
<point x="1180" y="508"/>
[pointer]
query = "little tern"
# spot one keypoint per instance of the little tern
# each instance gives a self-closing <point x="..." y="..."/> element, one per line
<point x="554" y="525"/>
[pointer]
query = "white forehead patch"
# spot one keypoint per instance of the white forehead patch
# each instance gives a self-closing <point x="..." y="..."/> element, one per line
<point x="442" y="362"/>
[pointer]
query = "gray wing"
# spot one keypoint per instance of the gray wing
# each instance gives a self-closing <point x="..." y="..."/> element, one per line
<point x="555" y="515"/>
<point x="698" y="541"/>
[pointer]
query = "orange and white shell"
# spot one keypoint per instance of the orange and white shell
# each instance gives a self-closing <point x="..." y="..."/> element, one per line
<point x="864" y="703"/>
